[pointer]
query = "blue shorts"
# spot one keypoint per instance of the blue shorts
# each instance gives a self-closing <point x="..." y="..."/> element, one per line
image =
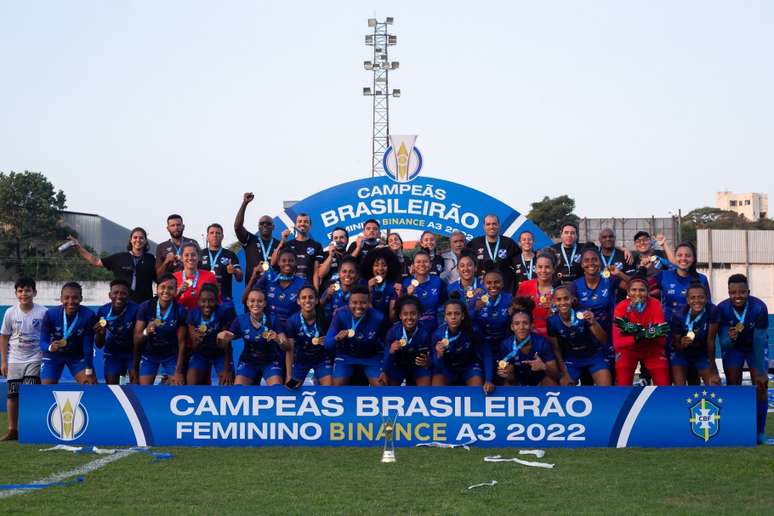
<point x="735" y="358"/>
<point x="321" y="369"/>
<point x="683" y="359"/>
<point x="461" y="375"/>
<point x="52" y="367"/>
<point x="256" y="371"/>
<point x="149" y="366"/>
<point x="344" y="366"/>
<point x="117" y="363"/>
<point x="205" y="363"/>
<point x="594" y="363"/>
<point x="398" y="373"/>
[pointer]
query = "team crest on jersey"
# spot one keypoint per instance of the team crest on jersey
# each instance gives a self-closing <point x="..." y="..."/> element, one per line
<point x="502" y="254"/>
<point x="36" y="323"/>
<point x="67" y="418"/>
<point x="310" y="251"/>
<point x="704" y="415"/>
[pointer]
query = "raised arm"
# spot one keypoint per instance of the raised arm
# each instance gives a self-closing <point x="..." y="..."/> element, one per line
<point x="239" y="222"/>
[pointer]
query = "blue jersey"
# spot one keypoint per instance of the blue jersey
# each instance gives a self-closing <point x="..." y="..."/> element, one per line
<point x="464" y="351"/>
<point x="537" y="344"/>
<point x="673" y="289"/>
<point x="369" y="332"/>
<point x="681" y="324"/>
<point x="381" y="295"/>
<point x="163" y="342"/>
<point x="281" y="302"/>
<point x="468" y="295"/>
<point x="335" y="301"/>
<point x="119" y="333"/>
<point x="417" y="343"/>
<point x="493" y="319"/>
<point x="755" y="318"/>
<point x="257" y="349"/>
<point x="302" y="334"/>
<point x="80" y="340"/>
<point x="219" y="320"/>
<point x="576" y="340"/>
<point x="600" y="301"/>
<point x="432" y="295"/>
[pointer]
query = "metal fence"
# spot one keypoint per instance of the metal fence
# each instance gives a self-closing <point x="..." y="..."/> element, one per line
<point x="626" y="228"/>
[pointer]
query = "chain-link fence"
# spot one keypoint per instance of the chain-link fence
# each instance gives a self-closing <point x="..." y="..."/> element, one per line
<point x="625" y="229"/>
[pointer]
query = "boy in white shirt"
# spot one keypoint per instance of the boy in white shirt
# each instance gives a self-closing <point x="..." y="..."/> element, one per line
<point x="20" y="349"/>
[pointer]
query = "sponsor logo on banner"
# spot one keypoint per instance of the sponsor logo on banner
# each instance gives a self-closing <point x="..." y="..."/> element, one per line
<point x="67" y="419"/>
<point x="705" y="415"/>
<point x="402" y="161"/>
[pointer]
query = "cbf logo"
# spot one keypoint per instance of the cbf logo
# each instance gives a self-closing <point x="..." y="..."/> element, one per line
<point x="402" y="161"/>
<point x="705" y="415"/>
<point x="67" y="419"/>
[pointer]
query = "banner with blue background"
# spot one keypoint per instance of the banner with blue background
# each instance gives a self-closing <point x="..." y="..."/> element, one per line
<point x="352" y="416"/>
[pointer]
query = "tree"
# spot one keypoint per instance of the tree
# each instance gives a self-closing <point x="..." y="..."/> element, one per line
<point x="29" y="216"/>
<point x="715" y="218"/>
<point x="550" y="214"/>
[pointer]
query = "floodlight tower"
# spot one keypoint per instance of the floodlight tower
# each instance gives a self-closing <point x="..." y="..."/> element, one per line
<point x="379" y="90"/>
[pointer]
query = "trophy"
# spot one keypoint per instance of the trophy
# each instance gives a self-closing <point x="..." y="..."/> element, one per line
<point x="388" y="424"/>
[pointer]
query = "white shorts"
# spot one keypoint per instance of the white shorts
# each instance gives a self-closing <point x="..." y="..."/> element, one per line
<point x="20" y="370"/>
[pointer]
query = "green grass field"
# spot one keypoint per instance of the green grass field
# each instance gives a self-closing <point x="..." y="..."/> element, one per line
<point x="352" y="480"/>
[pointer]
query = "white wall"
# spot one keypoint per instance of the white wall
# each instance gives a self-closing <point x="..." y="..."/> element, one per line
<point x="761" y="278"/>
<point x="95" y="293"/>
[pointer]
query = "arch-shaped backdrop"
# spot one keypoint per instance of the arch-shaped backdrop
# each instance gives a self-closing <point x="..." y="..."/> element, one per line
<point x="424" y="204"/>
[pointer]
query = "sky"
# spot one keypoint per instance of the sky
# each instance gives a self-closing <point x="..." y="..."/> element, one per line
<point x="137" y="109"/>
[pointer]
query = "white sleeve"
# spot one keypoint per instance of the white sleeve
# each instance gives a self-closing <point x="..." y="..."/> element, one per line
<point x="6" y="328"/>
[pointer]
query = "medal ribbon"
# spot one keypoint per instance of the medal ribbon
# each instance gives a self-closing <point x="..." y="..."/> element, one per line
<point x="450" y="339"/>
<point x="528" y="269"/>
<point x="266" y="250"/>
<point x="690" y="322"/>
<point x="606" y="263"/>
<point x="213" y="261"/>
<point x="492" y="256"/>
<point x="572" y="256"/>
<point x="741" y="317"/>
<point x="309" y="332"/>
<point x="516" y="347"/>
<point x="166" y="314"/>
<point x="406" y="337"/>
<point x="356" y="323"/>
<point x="195" y="281"/>
<point x="68" y="330"/>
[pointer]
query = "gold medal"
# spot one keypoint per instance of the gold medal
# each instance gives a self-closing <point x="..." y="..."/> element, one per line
<point x="470" y="293"/>
<point x="445" y="343"/>
<point x="739" y="327"/>
<point x="265" y="266"/>
<point x="378" y="279"/>
<point x="691" y="335"/>
<point x="543" y="299"/>
<point x="580" y="316"/>
<point x="415" y="282"/>
<point x="315" y="341"/>
<point x="158" y="322"/>
<point x="265" y="334"/>
<point x="337" y="286"/>
<point x="502" y="364"/>
<point x="485" y="298"/>
<point x="403" y="343"/>
<point x="351" y="333"/>
<point x="189" y="282"/>
<point x="605" y="273"/>
<point x="102" y="323"/>
<point x="203" y="328"/>
<point x="653" y="259"/>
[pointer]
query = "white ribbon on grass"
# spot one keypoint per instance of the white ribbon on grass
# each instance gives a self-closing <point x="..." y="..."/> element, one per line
<point x="485" y="484"/>
<point x="436" y="444"/>
<point x="499" y="458"/>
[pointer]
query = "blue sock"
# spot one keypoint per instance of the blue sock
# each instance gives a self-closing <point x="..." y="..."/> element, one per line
<point x="763" y="408"/>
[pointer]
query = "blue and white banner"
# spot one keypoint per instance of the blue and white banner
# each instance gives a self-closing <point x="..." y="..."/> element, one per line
<point x="352" y="416"/>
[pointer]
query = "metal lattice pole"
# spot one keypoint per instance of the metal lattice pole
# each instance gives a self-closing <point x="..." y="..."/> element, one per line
<point x="380" y="40"/>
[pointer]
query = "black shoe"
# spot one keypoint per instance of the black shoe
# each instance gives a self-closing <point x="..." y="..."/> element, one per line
<point x="11" y="435"/>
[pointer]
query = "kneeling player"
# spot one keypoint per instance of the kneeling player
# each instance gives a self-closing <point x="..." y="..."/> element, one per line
<point x="67" y="338"/>
<point x="261" y="356"/>
<point x="459" y="356"/>
<point x="305" y="331"/>
<point x="204" y="324"/>
<point x="159" y="335"/>
<point x="407" y="346"/>
<point x="694" y="329"/>
<point x="115" y="330"/>
<point x="526" y="357"/>
<point x="743" y="334"/>
<point x="577" y="340"/>
<point x="356" y="337"/>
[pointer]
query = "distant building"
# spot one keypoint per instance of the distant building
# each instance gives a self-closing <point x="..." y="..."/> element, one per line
<point x="754" y="206"/>
<point x="99" y="233"/>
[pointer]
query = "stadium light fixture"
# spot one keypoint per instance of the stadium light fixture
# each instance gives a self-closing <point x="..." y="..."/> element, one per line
<point x="392" y="40"/>
<point x="368" y="65"/>
<point x="366" y="91"/>
<point x="369" y="40"/>
<point x="389" y="20"/>
<point x="372" y="22"/>
<point x="394" y="65"/>
<point x="396" y="93"/>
